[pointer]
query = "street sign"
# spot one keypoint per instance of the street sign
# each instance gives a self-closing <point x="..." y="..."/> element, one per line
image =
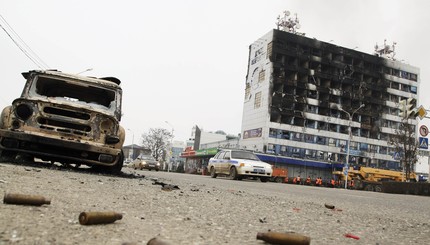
<point x="423" y="143"/>
<point x="421" y="112"/>
<point x="396" y="156"/>
<point x="424" y="131"/>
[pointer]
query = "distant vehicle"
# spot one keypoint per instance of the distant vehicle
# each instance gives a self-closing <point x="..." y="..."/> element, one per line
<point x="127" y="162"/>
<point x="65" y="118"/>
<point x="239" y="164"/>
<point x="370" y="179"/>
<point x="146" y="162"/>
<point x="279" y="175"/>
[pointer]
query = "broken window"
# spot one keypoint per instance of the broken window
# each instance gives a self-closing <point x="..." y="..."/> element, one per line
<point x="257" y="101"/>
<point x="261" y="76"/>
<point x="75" y="91"/>
<point x="247" y="91"/>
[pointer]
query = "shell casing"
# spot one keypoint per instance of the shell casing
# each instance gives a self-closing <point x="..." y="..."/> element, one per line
<point x="93" y="218"/>
<point x="23" y="199"/>
<point x="284" y="238"/>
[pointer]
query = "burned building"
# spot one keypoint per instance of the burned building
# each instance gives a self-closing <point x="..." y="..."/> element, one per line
<point x="302" y="95"/>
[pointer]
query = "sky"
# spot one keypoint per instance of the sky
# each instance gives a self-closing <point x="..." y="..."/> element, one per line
<point x="184" y="63"/>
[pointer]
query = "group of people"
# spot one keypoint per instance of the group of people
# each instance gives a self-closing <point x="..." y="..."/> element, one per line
<point x="308" y="181"/>
<point x="319" y="182"/>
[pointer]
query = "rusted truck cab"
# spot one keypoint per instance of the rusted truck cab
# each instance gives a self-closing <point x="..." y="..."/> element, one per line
<point x="65" y="118"/>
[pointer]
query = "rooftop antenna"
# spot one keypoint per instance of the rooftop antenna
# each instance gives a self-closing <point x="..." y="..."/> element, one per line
<point x="288" y="24"/>
<point x="386" y="51"/>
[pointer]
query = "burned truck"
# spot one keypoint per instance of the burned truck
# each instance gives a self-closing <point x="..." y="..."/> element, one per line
<point x="65" y="118"/>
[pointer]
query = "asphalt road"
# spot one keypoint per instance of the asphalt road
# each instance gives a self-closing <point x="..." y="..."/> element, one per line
<point x="200" y="210"/>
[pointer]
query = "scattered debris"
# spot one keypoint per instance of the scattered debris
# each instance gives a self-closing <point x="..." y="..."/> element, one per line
<point x="296" y="209"/>
<point x="284" y="238"/>
<point x="352" y="236"/>
<point x="263" y="220"/>
<point x="2" y="181"/>
<point x="329" y="206"/>
<point x="195" y="189"/>
<point x="169" y="187"/>
<point x="158" y="241"/>
<point x="93" y="218"/>
<point x="22" y="199"/>
<point x="166" y="187"/>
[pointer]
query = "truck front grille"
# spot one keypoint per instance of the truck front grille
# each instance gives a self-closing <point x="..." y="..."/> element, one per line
<point x="64" y="121"/>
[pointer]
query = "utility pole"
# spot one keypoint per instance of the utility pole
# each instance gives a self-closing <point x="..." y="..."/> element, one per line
<point x="349" y="141"/>
<point x="132" y="145"/>
<point x="169" y="165"/>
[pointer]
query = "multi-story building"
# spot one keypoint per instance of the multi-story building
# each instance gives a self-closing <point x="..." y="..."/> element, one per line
<point x="300" y="93"/>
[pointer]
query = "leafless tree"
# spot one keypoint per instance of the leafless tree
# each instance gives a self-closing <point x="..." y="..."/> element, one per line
<point x="156" y="139"/>
<point x="405" y="142"/>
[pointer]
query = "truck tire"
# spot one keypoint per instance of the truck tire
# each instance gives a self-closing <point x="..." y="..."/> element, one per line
<point x="369" y="188"/>
<point x="115" y="169"/>
<point x="378" y="188"/>
<point x="278" y="180"/>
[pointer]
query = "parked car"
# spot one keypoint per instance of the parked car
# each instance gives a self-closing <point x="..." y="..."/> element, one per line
<point x="146" y="162"/>
<point x="239" y="164"/>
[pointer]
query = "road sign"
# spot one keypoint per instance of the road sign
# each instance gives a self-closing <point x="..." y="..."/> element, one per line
<point x="424" y="143"/>
<point x="421" y="112"/>
<point x="424" y="131"/>
<point x="396" y="156"/>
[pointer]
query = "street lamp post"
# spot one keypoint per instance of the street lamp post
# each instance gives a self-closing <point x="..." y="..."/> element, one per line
<point x="171" y="148"/>
<point x="349" y="141"/>
<point x="132" y="144"/>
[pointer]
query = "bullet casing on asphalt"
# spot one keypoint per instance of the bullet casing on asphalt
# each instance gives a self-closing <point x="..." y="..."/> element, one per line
<point x="290" y="238"/>
<point x="93" y="218"/>
<point x="23" y="199"/>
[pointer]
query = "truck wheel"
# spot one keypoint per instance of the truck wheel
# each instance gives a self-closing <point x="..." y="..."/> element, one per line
<point x="368" y="188"/>
<point x="378" y="188"/>
<point x="213" y="174"/>
<point x="278" y="180"/>
<point x="233" y="173"/>
<point x="264" y="179"/>
<point x="115" y="169"/>
<point x="7" y="156"/>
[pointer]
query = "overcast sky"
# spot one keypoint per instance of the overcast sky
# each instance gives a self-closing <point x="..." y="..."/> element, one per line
<point x="185" y="62"/>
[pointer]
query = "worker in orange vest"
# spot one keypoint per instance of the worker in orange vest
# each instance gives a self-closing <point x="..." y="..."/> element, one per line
<point x="299" y="180"/>
<point x="352" y="184"/>
<point x="332" y="182"/>
<point x="295" y="180"/>
<point x="317" y="181"/>
<point x="308" y="180"/>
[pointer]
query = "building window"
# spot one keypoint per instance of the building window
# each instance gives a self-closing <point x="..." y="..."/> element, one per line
<point x="261" y="76"/>
<point x="269" y="50"/>
<point x="257" y="102"/>
<point x="414" y="77"/>
<point x="247" y="91"/>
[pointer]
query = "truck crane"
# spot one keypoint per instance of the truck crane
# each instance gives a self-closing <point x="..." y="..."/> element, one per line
<point x="370" y="179"/>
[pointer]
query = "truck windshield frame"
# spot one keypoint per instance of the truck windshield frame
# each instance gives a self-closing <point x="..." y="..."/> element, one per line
<point x="71" y="91"/>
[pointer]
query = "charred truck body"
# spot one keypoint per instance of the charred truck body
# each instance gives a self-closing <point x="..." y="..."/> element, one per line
<point x="65" y="118"/>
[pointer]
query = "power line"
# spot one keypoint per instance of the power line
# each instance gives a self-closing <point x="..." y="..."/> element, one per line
<point x="23" y="46"/>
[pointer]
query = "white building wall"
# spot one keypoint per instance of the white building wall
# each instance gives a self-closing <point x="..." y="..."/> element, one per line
<point x="256" y="115"/>
<point x="207" y="137"/>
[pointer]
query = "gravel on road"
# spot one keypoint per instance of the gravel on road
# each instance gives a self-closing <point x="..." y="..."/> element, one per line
<point x="182" y="212"/>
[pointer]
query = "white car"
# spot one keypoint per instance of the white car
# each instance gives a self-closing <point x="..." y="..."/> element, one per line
<point x="238" y="164"/>
<point x="146" y="162"/>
